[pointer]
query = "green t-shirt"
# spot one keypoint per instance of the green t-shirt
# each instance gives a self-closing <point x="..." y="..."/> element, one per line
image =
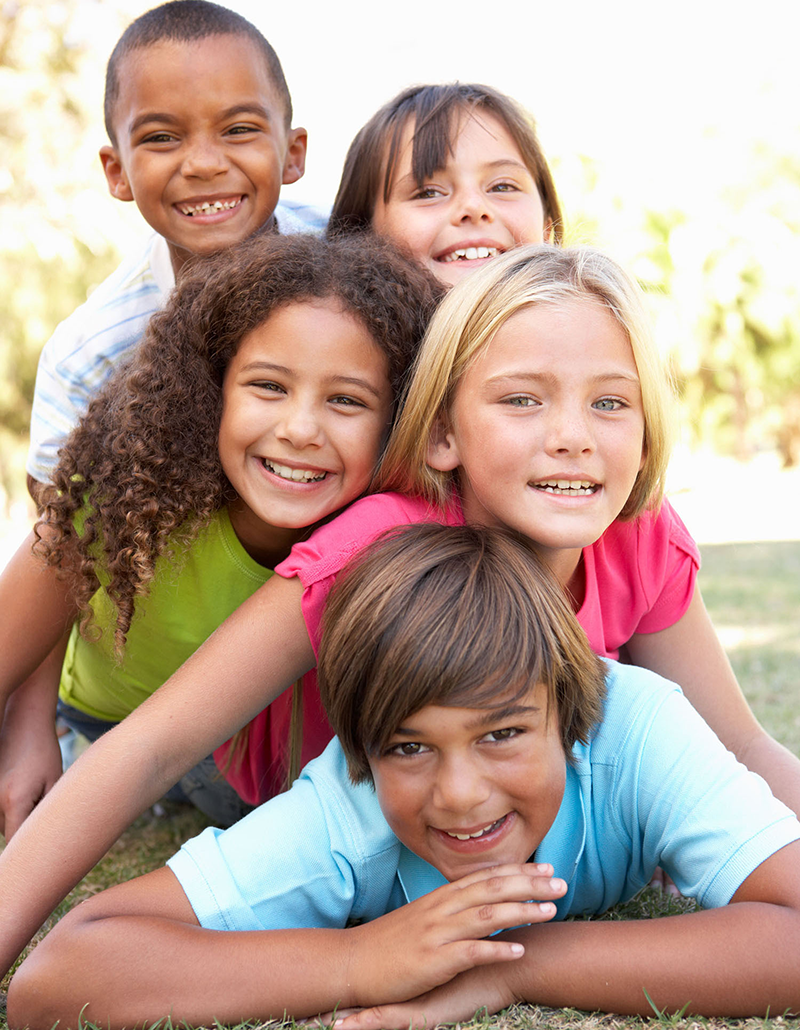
<point x="189" y="597"/>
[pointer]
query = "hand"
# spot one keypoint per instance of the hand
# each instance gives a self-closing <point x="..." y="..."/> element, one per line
<point x="663" y="881"/>
<point x="30" y="763"/>
<point x="444" y="933"/>
<point x="476" y="990"/>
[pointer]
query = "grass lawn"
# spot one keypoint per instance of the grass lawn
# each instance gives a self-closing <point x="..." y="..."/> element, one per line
<point x="753" y="593"/>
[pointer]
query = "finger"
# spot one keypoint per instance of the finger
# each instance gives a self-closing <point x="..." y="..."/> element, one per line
<point x="478" y="923"/>
<point x="497" y="889"/>
<point x="16" y="816"/>
<point x="507" y="869"/>
<point x="384" y="1017"/>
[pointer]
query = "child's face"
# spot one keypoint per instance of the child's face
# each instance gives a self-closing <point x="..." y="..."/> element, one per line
<point x="306" y="407"/>
<point x="483" y="202"/>
<point x="202" y="145"/>
<point x="546" y="429"/>
<point x="467" y="788"/>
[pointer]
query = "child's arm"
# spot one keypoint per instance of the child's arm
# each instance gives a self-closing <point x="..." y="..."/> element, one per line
<point x="690" y="654"/>
<point x="30" y="756"/>
<point x="258" y="652"/>
<point x="37" y="612"/>
<point x="149" y="958"/>
<point x="735" y="961"/>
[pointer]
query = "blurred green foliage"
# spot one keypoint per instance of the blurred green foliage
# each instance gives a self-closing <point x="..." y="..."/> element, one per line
<point x="51" y="250"/>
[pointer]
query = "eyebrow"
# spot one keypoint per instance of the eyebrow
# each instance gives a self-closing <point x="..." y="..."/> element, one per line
<point x="167" y="118"/>
<point x="549" y="379"/>
<point x="509" y="711"/>
<point x="267" y="366"/>
<point x="489" y="717"/>
<point x="410" y="180"/>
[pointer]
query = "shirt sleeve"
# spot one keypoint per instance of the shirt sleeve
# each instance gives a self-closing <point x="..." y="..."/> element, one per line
<point x="695" y="810"/>
<point x="88" y="346"/>
<point x="318" y="855"/>
<point x="670" y="597"/>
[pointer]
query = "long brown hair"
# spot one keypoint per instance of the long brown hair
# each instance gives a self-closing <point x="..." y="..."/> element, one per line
<point x="142" y="469"/>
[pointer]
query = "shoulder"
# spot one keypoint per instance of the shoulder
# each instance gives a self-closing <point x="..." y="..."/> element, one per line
<point x="318" y="855"/>
<point x="331" y="546"/>
<point x="294" y="216"/>
<point x="119" y="308"/>
<point x="651" y="535"/>
<point x="640" y="578"/>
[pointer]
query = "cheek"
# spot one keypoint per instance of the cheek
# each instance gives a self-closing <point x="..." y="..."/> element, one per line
<point x="398" y="805"/>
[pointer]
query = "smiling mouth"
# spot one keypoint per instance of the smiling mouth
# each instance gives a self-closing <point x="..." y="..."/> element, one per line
<point x="294" y="475"/>
<point x="209" y="207"/>
<point x="470" y="254"/>
<point x="478" y="833"/>
<point x="568" y="488"/>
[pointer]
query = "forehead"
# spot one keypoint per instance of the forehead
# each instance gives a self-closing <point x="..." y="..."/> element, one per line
<point x="474" y="129"/>
<point x="574" y="330"/>
<point x="474" y="715"/>
<point x="220" y="71"/>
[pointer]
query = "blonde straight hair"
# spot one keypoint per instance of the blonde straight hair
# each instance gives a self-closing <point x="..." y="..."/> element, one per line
<point x="466" y="322"/>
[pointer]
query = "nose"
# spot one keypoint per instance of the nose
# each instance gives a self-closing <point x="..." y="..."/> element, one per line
<point x="299" y="425"/>
<point x="204" y="158"/>
<point x="472" y="205"/>
<point x="569" y="431"/>
<point x="461" y="787"/>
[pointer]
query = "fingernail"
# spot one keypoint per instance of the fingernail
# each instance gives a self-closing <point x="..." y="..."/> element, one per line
<point x="557" y="885"/>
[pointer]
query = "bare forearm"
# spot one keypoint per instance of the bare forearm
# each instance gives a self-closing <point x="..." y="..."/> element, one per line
<point x="133" y="970"/>
<point x="736" y="961"/>
<point x="259" y="651"/>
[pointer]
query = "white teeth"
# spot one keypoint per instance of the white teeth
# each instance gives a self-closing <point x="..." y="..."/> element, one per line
<point x="471" y="254"/>
<point x="207" y="207"/>
<point x="296" y="475"/>
<point x="578" y="488"/>
<point x="478" y="833"/>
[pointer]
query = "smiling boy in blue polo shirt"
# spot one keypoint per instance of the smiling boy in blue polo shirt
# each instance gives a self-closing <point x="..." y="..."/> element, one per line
<point x="491" y="776"/>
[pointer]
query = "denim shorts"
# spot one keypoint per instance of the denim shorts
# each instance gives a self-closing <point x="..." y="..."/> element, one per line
<point x="204" y="786"/>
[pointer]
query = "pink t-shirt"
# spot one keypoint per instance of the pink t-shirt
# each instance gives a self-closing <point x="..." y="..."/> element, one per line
<point x="639" y="578"/>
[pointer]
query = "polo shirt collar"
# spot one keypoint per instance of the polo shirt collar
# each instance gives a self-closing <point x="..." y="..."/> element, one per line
<point x="417" y="877"/>
<point x="565" y="841"/>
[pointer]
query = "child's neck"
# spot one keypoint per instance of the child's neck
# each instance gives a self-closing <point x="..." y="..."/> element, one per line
<point x="568" y="568"/>
<point x="266" y="544"/>
<point x="179" y="257"/>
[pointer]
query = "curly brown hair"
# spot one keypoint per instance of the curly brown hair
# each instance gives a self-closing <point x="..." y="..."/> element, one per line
<point x="141" y="470"/>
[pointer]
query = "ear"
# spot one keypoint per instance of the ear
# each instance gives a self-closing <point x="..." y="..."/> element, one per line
<point x="547" y="232"/>
<point x="442" y="450"/>
<point x="295" y="164"/>
<point x="116" y="178"/>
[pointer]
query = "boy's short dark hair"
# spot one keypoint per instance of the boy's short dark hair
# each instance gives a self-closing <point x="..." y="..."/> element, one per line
<point x="185" y="21"/>
<point x="453" y="616"/>
<point x="370" y="166"/>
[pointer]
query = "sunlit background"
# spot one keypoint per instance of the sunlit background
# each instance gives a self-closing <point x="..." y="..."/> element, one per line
<point x="673" y="130"/>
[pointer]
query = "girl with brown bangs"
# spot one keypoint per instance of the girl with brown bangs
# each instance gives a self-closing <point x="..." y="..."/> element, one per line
<point x="256" y="407"/>
<point x="453" y="174"/>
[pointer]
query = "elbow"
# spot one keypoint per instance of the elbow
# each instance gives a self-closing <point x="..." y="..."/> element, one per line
<point x="45" y="989"/>
<point x="30" y="995"/>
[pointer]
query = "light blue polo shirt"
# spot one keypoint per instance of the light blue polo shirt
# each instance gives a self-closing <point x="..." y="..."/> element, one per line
<point x="653" y="786"/>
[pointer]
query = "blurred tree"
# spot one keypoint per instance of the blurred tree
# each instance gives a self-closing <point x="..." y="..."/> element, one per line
<point x="52" y="249"/>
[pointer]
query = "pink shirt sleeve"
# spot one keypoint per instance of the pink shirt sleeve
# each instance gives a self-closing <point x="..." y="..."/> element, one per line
<point x="318" y="560"/>
<point x="640" y="578"/>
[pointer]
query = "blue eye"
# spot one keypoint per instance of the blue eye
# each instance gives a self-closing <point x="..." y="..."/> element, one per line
<point x="608" y="404"/>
